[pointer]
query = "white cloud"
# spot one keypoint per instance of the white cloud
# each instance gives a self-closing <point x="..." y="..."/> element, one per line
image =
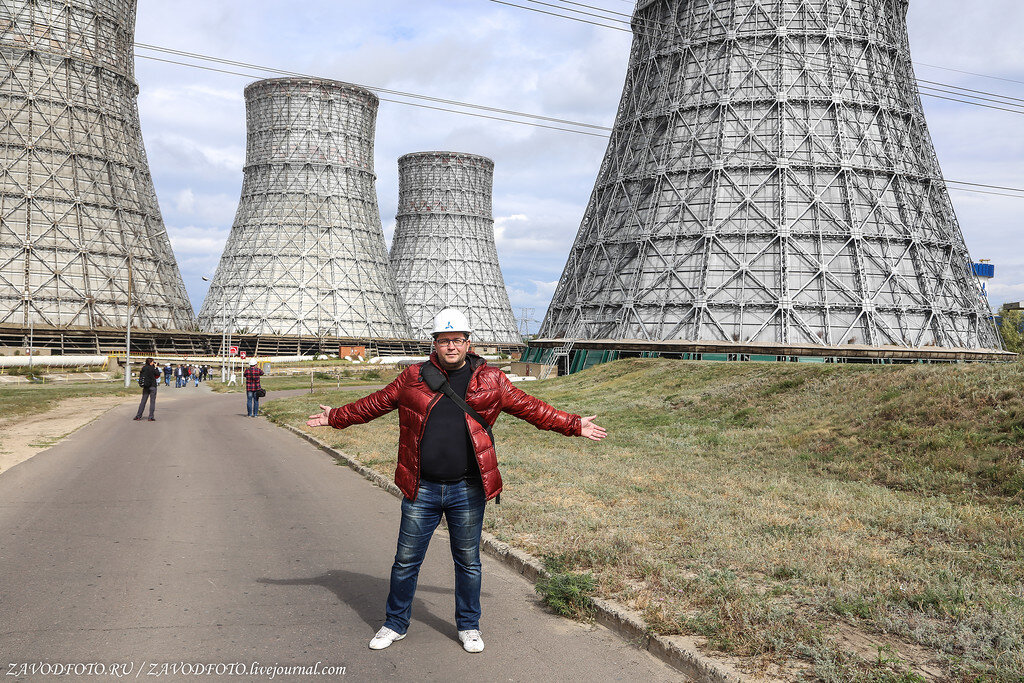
<point x="185" y="201"/>
<point x="192" y="240"/>
<point x="519" y="233"/>
<point x="191" y="152"/>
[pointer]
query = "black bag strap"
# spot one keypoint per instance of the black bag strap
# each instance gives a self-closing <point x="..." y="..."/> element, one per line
<point x="438" y="382"/>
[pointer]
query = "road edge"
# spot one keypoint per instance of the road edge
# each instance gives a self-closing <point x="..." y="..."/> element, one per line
<point x="679" y="653"/>
<point x="63" y="437"/>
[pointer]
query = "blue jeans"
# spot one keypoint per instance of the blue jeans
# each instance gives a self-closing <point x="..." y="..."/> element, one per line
<point x="463" y="507"/>
<point x="252" y="404"/>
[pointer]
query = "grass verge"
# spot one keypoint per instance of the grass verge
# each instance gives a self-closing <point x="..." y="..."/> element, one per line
<point x="20" y="400"/>
<point x="859" y="523"/>
<point x="322" y="381"/>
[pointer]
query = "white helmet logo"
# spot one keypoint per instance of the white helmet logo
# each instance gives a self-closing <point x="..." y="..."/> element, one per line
<point x="449" y="325"/>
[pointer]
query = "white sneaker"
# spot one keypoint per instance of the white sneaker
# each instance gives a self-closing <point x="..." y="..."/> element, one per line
<point x="471" y="641"/>
<point x="384" y="638"/>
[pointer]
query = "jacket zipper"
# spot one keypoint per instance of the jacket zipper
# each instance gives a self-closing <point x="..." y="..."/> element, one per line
<point x="419" y="445"/>
<point x="476" y="456"/>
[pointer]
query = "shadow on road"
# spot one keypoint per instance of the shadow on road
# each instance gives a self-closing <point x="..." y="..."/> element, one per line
<point x="366" y="596"/>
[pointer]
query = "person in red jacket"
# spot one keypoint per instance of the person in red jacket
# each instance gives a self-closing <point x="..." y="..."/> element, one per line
<point x="447" y="465"/>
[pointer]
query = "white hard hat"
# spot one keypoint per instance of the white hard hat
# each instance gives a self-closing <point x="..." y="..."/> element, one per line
<point x="252" y="361"/>
<point x="451" y="320"/>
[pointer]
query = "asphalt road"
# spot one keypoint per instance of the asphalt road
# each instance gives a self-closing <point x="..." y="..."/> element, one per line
<point x="208" y="538"/>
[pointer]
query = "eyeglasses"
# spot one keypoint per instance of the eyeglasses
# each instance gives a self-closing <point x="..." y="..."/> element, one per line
<point x="459" y="341"/>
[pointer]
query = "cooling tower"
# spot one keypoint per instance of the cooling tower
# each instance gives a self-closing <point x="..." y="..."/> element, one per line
<point x="770" y="178"/>
<point x="78" y="212"/>
<point x="443" y="253"/>
<point x="306" y="252"/>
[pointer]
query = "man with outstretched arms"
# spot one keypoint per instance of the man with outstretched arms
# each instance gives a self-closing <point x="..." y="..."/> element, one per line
<point x="447" y="463"/>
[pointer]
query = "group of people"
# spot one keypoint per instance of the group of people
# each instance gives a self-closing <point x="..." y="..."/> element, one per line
<point x="149" y="380"/>
<point x="183" y="372"/>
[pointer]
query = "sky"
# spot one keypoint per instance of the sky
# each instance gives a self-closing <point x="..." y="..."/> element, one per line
<point x="486" y="53"/>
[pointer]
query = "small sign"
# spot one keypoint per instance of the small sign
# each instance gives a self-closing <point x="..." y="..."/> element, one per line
<point x="242" y="355"/>
<point x="234" y="350"/>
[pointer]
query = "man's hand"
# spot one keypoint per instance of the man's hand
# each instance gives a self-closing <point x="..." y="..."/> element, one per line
<point x="590" y="429"/>
<point x="320" y="419"/>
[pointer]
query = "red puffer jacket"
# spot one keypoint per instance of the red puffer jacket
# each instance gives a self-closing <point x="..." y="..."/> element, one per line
<point x="489" y="393"/>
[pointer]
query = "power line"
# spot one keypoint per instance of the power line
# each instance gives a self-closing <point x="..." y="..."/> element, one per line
<point x="376" y="89"/>
<point x="662" y="24"/>
<point x="600" y="9"/>
<point x="985" y="106"/>
<point x="926" y="88"/>
<point x="980" y="92"/>
<point x="994" y="187"/>
<point x="553" y="14"/>
<point x="588" y="14"/>
<point x="970" y="73"/>
<point x="384" y="99"/>
<point x="256" y="67"/>
<point x="997" y="194"/>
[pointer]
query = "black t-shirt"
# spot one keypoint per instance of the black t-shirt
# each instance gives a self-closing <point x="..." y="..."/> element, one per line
<point x="446" y="453"/>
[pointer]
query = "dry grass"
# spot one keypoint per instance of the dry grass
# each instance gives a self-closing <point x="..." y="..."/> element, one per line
<point x="774" y="508"/>
<point x="20" y="400"/>
<point x="323" y="381"/>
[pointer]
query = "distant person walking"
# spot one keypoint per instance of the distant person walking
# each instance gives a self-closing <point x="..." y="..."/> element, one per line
<point x="178" y="374"/>
<point x="149" y="378"/>
<point x="168" y="371"/>
<point x="252" y="376"/>
<point x="447" y="464"/>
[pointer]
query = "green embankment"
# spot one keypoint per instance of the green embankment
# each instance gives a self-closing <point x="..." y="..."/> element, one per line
<point x="848" y="522"/>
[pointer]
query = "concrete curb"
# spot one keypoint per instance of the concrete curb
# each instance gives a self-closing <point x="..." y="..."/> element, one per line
<point x="674" y="651"/>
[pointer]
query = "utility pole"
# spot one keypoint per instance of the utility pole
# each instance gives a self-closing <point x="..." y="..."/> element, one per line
<point x="128" y="331"/>
<point x="525" y="318"/>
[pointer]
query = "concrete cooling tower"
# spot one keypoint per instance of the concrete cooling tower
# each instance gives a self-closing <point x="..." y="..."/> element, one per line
<point x="770" y="179"/>
<point x="78" y="214"/>
<point x="443" y="253"/>
<point x="306" y="253"/>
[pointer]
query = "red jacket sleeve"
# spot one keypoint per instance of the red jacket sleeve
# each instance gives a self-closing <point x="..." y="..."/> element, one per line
<point x="535" y="411"/>
<point x="369" y="407"/>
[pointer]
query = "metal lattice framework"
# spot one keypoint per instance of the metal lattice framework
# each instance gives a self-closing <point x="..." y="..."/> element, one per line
<point x="443" y="253"/>
<point x="306" y="253"/>
<point x="79" y="220"/>
<point x="770" y="178"/>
